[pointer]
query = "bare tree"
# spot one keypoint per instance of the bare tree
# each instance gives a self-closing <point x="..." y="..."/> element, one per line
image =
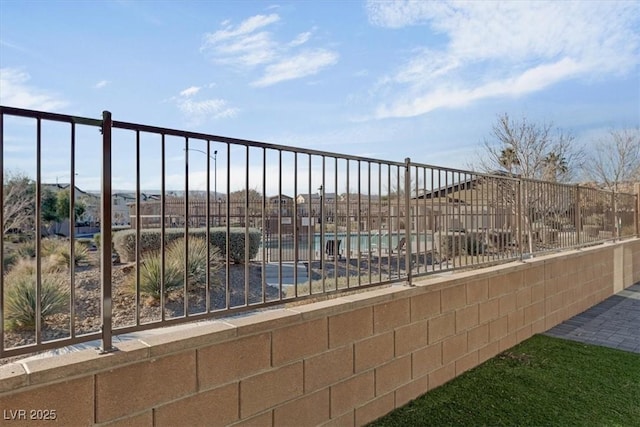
<point x="615" y="159"/>
<point x="18" y="207"/>
<point x="530" y="151"/>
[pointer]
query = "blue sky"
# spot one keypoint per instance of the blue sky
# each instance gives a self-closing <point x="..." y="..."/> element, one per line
<point x="388" y="80"/>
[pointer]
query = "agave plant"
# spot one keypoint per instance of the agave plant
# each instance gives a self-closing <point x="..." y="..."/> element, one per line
<point x="20" y="296"/>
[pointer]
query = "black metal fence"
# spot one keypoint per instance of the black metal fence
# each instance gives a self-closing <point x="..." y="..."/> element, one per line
<point x="271" y="225"/>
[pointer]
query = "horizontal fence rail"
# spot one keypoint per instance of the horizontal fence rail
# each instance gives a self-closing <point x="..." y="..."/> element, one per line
<point x="188" y="226"/>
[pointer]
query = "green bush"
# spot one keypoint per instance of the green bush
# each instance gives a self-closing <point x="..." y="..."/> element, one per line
<point x="96" y="239"/>
<point x="20" y="295"/>
<point x="125" y="241"/>
<point x="474" y="244"/>
<point x="450" y="245"/>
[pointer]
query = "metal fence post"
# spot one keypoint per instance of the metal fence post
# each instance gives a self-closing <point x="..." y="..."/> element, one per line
<point x="407" y="220"/>
<point x="578" y="217"/>
<point x="105" y="235"/>
<point x="519" y="210"/>
<point x="637" y="209"/>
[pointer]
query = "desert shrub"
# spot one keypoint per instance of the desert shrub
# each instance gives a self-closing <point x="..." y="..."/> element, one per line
<point x="96" y="239"/>
<point x="196" y="259"/>
<point x="125" y="241"/>
<point x="20" y="295"/>
<point x="474" y="244"/>
<point x="9" y="258"/>
<point x="151" y="276"/>
<point x="26" y="250"/>
<point x="62" y="256"/>
<point x="450" y="245"/>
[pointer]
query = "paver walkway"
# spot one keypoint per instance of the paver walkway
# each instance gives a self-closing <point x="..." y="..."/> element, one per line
<point x="615" y="322"/>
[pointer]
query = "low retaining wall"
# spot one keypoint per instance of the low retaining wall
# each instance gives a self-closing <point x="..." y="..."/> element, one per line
<point x="345" y="361"/>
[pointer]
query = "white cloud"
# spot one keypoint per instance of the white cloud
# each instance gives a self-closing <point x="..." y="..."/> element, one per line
<point x="504" y="48"/>
<point x="252" y="45"/>
<point x="15" y="91"/>
<point x="304" y="64"/>
<point x="190" y="91"/>
<point x="301" y="39"/>
<point x="101" y="84"/>
<point x="198" y="111"/>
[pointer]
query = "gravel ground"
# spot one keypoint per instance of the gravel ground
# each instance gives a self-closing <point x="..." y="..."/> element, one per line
<point x="88" y="302"/>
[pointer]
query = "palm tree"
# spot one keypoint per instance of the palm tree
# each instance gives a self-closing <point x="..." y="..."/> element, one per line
<point x="509" y="159"/>
<point x="555" y="166"/>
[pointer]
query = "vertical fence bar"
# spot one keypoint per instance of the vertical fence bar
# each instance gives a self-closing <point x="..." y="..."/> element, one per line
<point x="72" y="239"/>
<point x="2" y="225"/>
<point x="105" y="235"/>
<point x="38" y="302"/>
<point x="407" y="220"/>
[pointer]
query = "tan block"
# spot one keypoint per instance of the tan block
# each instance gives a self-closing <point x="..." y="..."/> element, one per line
<point x="297" y="341"/>
<point x="375" y="409"/>
<point x="269" y="389"/>
<point x="515" y="320"/>
<point x="426" y="360"/>
<point x="70" y="401"/>
<point x="188" y="337"/>
<point x="524" y="333"/>
<point x="144" y="419"/>
<point x="467" y="318"/>
<point x="442" y="375"/>
<point x="442" y="326"/>
<point x="233" y="360"/>
<point x="411" y="337"/>
<point x="550" y="287"/>
<point x="217" y="407"/>
<point x="351" y="393"/>
<point x="392" y="314"/>
<point x="538" y="327"/>
<point x="507" y="304"/>
<point x="393" y="375"/>
<point x="310" y="410"/>
<point x="328" y="368"/>
<point x="412" y="391"/>
<point x="487" y="352"/>
<point x="534" y="312"/>
<point x="508" y="341"/>
<point x="84" y="362"/>
<point x="454" y="297"/>
<point x="425" y="306"/>
<point x="534" y="275"/>
<point x="467" y="362"/>
<point x="489" y="310"/>
<point x="498" y="328"/>
<point x="12" y="377"/>
<point x="523" y="297"/>
<point x="454" y="348"/>
<point x="477" y="291"/>
<point x="349" y="327"/>
<point x="374" y="351"/>
<point x="515" y="280"/>
<point x="537" y="292"/>
<point x="264" y="419"/>
<point x="498" y="286"/>
<point x="478" y="337"/>
<point x="125" y="390"/>
<point x="345" y="420"/>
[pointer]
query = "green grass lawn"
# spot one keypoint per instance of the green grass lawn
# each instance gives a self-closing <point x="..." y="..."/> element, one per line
<point x="544" y="381"/>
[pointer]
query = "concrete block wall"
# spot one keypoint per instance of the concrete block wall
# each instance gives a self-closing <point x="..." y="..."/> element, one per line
<point x="341" y="362"/>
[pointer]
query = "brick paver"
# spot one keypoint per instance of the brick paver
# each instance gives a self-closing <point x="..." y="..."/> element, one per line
<point x="615" y="322"/>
